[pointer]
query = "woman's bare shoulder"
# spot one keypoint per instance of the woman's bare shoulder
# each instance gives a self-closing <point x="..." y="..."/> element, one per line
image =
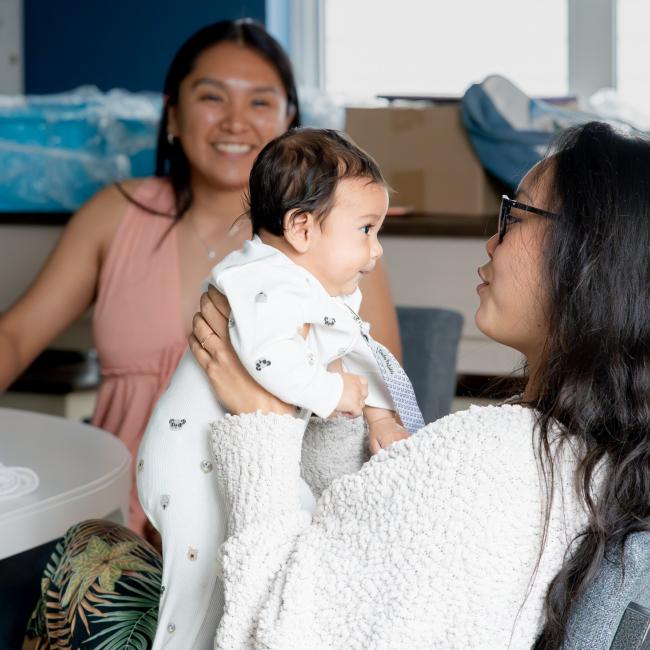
<point x="111" y="199"/>
<point x="100" y="216"/>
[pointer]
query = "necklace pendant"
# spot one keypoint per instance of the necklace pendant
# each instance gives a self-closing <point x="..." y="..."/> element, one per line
<point x="211" y="254"/>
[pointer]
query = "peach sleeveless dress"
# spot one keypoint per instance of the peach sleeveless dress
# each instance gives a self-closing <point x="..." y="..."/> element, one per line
<point x="137" y="323"/>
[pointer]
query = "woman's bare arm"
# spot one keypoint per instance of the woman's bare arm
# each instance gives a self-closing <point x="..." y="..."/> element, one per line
<point x="379" y="310"/>
<point x="64" y="287"/>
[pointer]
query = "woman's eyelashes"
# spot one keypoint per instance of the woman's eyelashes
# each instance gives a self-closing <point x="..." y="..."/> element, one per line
<point x="220" y="99"/>
<point x="211" y="98"/>
<point x="511" y="220"/>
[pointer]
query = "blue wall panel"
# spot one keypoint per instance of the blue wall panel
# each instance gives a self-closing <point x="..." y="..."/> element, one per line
<point x="278" y="22"/>
<point x="116" y="43"/>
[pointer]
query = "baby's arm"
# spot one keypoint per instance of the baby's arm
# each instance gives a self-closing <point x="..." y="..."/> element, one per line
<point x="355" y="391"/>
<point x="384" y="428"/>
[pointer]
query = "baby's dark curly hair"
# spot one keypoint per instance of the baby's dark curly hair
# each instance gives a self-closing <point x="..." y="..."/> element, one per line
<point x="300" y="171"/>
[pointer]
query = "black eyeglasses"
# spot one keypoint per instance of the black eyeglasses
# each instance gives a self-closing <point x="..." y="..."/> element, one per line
<point x="505" y="218"/>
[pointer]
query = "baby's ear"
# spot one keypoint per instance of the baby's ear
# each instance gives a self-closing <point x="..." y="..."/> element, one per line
<point x="299" y="229"/>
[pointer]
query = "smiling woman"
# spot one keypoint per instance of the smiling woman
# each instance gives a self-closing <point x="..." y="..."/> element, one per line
<point x="140" y="251"/>
<point x="222" y="111"/>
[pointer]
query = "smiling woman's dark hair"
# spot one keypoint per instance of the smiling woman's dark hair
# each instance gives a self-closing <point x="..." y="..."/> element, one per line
<point x="170" y="157"/>
<point x="593" y="384"/>
<point x="171" y="161"/>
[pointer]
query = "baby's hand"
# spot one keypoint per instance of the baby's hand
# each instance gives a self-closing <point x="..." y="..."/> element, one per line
<point x="353" y="399"/>
<point x="383" y="433"/>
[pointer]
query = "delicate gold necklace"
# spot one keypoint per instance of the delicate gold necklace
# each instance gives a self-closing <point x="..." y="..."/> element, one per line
<point x="235" y="227"/>
<point x="210" y="252"/>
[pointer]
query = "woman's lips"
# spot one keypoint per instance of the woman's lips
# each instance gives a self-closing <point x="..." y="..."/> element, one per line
<point x="233" y="148"/>
<point x="483" y="284"/>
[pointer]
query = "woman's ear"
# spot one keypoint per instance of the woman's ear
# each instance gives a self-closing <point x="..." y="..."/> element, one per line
<point x="299" y="230"/>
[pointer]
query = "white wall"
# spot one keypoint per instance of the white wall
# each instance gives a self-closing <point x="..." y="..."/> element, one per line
<point x="23" y="249"/>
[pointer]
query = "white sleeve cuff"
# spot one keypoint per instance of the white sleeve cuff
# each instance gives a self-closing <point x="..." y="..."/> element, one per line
<point x="322" y="395"/>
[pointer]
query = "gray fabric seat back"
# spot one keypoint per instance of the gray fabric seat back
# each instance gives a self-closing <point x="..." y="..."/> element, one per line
<point x="614" y="612"/>
<point x="430" y="342"/>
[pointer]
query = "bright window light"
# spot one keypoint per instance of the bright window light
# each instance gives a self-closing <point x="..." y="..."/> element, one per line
<point x="442" y="46"/>
<point x="634" y="53"/>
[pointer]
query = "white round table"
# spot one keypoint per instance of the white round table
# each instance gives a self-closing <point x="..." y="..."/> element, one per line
<point x="84" y="474"/>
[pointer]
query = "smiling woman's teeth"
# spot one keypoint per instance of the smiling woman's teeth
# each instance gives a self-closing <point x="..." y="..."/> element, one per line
<point x="231" y="147"/>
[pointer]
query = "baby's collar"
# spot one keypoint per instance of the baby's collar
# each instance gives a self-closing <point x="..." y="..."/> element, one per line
<point x="256" y="242"/>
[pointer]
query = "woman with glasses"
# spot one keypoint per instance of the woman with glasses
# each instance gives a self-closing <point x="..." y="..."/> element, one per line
<point x="484" y="528"/>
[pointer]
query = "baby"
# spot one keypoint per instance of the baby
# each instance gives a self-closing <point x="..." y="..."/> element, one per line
<point x="317" y="203"/>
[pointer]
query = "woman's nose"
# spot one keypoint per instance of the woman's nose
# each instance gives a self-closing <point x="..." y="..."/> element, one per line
<point x="234" y="120"/>
<point x="491" y="244"/>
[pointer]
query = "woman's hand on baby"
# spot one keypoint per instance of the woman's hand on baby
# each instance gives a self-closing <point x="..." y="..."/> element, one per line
<point x="353" y="399"/>
<point x="210" y="344"/>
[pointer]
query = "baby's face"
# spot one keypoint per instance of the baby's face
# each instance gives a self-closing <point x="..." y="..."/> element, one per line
<point x="347" y="247"/>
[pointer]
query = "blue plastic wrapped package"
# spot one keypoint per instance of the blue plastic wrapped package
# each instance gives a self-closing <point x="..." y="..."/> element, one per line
<point x="57" y="150"/>
<point x="511" y="131"/>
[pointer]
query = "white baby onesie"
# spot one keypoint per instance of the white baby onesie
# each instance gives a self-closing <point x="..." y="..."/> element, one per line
<point x="271" y="299"/>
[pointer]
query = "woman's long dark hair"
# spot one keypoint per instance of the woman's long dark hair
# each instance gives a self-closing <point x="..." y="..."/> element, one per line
<point x="594" y="379"/>
<point x="171" y="161"/>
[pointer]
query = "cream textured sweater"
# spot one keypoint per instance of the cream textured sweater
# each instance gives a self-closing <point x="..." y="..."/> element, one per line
<point x="433" y="543"/>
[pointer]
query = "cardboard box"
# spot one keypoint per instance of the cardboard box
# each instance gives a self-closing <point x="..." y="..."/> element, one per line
<point x="427" y="158"/>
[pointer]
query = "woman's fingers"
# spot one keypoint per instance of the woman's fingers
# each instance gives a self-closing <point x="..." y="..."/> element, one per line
<point x="219" y="300"/>
<point x="200" y="354"/>
<point x="211" y="354"/>
<point x="215" y="310"/>
<point x="203" y="331"/>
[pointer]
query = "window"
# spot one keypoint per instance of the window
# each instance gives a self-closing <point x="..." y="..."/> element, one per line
<point x="634" y="53"/>
<point x="441" y="47"/>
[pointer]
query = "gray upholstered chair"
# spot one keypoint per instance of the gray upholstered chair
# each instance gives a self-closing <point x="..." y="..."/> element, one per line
<point x="430" y="341"/>
<point x="633" y="631"/>
<point x="614" y="612"/>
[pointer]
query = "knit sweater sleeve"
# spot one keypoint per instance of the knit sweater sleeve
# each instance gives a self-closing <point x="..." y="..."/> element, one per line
<point x="433" y="543"/>
<point x="258" y="464"/>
